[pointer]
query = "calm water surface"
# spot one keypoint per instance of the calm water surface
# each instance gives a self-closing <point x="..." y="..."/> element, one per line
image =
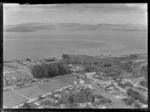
<point x="43" y="44"/>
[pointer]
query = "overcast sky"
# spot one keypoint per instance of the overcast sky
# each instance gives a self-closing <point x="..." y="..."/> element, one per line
<point x="76" y="13"/>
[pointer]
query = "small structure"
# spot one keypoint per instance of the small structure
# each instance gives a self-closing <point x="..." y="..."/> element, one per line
<point x="75" y="82"/>
<point x="90" y="86"/>
<point x="57" y="95"/>
<point x="37" y="103"/>
<point x="89" y="74"/>
<point x="81" y="81"/>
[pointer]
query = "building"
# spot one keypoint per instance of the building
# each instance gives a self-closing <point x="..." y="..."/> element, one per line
<point x="90" y="74"/>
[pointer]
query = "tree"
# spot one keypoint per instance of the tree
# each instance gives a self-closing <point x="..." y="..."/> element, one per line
<point x="89" y="68"/>
<point x="95" y="64"/>
<point x="37" y="71"/>
<point x="136" y="95"/>
<point x="137" y="106"/>
<point x="121" y="85"/>
<point x="65" y="56"/>
<point x="39" y="97"/>
<point x="26" y="106"/>
<point x="91" y="98"/>
<point x="46" y="102"/>
<point x="129" y="101"/>
<point x="133" y="56"/>
<point x="143" y="83"/>
<point x="27" y="59"/>
<point x="70" y="100"/>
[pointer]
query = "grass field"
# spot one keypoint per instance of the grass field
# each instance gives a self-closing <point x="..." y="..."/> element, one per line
<point x="69" y="80"/>
<point x="51" y="86"/>
<point x="31" y="92"/>
<point x="11" y="99"/>
<point x="64" y="76"/>
<point x="18" y="74"/>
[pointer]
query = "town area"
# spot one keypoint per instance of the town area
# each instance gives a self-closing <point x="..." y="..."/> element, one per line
<point x="77" y="81"/>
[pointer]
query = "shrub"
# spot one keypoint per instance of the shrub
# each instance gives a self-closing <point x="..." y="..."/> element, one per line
<point x="27" y="59"/>
<point x="143" y="83"/>
<point x="127" y="84"/>
<point x="129" y="101"/>
<point x="89" y="68"/>
<point x="26" y="106"/>
<point x="137" y="106"/>
<point x="121" y="85"/>
<point x="126" y="66"/>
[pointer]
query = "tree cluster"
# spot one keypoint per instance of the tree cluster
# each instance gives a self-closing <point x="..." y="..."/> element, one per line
<point x="128" y="101"/>
<point x="127" y="66"/>
<point x="113" y="72"/>
<point x="127" y="84"/>
<point x="65" y="56"/>
<point x="86" y="60"/>
<point x="143" y="83"/>
<point x="136" y="95"/>
<point x="83" y="96"/>
<point x="49" y="70"/>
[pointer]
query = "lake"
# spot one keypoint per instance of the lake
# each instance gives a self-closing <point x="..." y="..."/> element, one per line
<point x="44" y="44"/>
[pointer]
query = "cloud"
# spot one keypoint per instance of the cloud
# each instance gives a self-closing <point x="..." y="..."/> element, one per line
<point x="80" y="13"/>
<point x="140" y="6"/>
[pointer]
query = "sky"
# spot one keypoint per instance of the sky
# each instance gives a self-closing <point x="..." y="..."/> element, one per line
<point x="124" y="13"/>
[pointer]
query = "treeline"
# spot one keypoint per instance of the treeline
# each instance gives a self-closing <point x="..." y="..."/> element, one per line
<point x="111" y="67"/>
<point x="92" y="64"/>
<point x="49" y="70"/>
<point x="86" y="60"/>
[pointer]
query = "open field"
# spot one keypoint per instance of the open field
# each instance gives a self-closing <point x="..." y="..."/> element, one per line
<point x="69" y="80"/>
<point x="32" y="92"/>
<point x="18" y="74"/>
<point x="14" y="65"/>
<point x="64" y="76"/>
<point x="51" y="86"/>
<point x="11" y="99"/>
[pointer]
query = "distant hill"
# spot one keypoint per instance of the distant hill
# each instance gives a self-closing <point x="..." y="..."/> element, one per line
<point x="31" y="27"/>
